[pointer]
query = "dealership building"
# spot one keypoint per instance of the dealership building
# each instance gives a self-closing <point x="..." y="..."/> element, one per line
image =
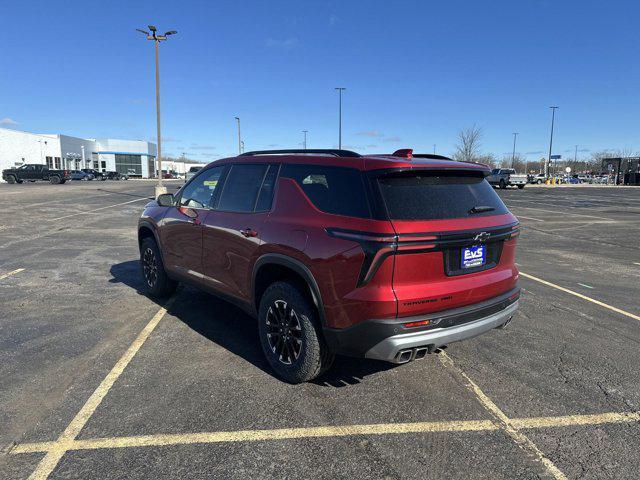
<point x="132" y="157"/>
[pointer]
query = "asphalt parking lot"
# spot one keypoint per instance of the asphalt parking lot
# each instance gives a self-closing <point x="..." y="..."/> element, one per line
<point x="99" y="381"/>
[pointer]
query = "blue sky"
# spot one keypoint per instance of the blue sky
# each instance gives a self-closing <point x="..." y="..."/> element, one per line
<point x="415" y="72"/>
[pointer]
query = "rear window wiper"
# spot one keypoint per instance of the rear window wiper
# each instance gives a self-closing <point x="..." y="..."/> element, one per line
<point x="481" y="209"/>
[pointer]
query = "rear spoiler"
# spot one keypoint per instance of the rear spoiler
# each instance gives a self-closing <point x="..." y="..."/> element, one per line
<point x="408" y="154"/>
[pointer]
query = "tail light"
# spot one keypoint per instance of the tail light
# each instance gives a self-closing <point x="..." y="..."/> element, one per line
<point x="421" y="323"/>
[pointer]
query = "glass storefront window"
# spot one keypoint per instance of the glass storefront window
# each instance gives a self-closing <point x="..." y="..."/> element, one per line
<point x="129" y="164"/>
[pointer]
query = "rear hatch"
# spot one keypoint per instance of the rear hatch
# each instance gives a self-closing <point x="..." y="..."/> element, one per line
<point x="456" y="239"/>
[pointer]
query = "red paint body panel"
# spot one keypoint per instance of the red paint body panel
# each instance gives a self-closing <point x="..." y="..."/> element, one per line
<point x="402" y="285"/>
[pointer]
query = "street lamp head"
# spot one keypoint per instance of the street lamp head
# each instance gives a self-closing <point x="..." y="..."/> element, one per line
<point x="152" y="28"/>
<point x="170" y="32"/>
<point x="143" y="31"/>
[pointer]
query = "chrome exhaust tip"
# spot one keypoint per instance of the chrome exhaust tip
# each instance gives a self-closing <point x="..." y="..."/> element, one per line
<point x="421" y="352"/>
<point x="404" y="356"/>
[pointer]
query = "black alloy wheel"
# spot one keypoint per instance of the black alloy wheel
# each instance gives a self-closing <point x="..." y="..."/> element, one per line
<point x="284" y="332"/>
<point x="150" y="267"/>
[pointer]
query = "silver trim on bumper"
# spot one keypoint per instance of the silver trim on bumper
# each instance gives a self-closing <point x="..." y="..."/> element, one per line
<point x="388" y="348"/>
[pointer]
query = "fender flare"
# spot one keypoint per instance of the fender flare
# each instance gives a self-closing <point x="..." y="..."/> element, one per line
<point x="298" y="267"/>
<point x="154" y="231"/>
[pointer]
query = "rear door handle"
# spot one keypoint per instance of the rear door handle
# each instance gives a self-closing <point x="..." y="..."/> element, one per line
<point x="249" y="232"/>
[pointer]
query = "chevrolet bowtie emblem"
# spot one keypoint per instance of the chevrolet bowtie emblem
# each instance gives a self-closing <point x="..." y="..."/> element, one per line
<point x="481" y="237"/>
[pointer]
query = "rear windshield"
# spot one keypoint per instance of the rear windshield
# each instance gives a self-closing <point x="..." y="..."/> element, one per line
<point x="436" y="196"/>
<point x="195" y="169"/>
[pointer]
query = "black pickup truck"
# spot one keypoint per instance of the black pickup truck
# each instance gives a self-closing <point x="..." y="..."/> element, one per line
<point x="30" y="172"/>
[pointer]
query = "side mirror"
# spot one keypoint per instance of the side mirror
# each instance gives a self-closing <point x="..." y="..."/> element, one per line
<point x="165" y="200"/>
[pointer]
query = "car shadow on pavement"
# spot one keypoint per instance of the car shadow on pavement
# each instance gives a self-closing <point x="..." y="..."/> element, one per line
<point x="234" y="330"/>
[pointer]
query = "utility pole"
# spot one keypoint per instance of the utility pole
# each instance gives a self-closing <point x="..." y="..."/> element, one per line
<point x="546" y="165"/>
<point x="513" y="154"/>
<point x="239" y="137"/>
<point x="575" y="155"/>
<point x="304" y="143"/>
<point x="340" y="89"/>
<point x="157" y="39"/>
<point x="434" y="148"/>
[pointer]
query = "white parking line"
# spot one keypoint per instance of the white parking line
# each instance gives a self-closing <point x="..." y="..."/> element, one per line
<point x="8" y="274"/>
<point x="585" y="285"/>
<point x="53" y="456"/>
<point x="505" y="422"/>
<point x="565" y="213"/>
<point x="101" y="208"/>
<point x="76" y="198"/>
<point x="530" y="218"/>
<point x="584" y="297"/>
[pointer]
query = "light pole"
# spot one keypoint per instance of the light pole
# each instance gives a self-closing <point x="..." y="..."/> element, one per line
<point x="434" y="148"/>
<point x="340" y="89"/>
<point x="304" y="142"/>
<point x="575" y="155"/>
<point x="157" y="39"/>
<point x="239" y="137"/>
<point x="513" y="154"/>
<point x="546" y="165"/>
<point x="242" y="146"/>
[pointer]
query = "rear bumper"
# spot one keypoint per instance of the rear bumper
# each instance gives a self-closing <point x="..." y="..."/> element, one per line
<point x="385" y="339"/>
<point x="389" y="348"/>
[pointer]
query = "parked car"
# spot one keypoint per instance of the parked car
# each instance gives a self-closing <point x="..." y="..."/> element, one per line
<point x="571" y="179"/>
<point x="35" y="172"/>
<point x="584" y="178"/>
<point x="80" y="175"/>
<point x="601" y="179"/>
<point x="540" y="178"/>
<point x="384" y="257"/>
<point x="114" y="176"/>
<point x="504" y="177"/>
<point x="192" y="171"/>
<point x="97" y="175"/>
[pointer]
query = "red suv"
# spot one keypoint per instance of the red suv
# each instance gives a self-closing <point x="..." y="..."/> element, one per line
<point x="386" y="257"/>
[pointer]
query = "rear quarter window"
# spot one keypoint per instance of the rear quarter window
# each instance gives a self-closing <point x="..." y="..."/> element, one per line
<point x="335" y="190"/>
<point x="437" y="196"/>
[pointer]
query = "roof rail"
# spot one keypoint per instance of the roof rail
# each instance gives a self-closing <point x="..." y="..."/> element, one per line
<point x="329" y="151"/>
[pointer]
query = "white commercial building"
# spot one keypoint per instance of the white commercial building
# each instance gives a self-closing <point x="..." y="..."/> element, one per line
<point x="135" y="158"/>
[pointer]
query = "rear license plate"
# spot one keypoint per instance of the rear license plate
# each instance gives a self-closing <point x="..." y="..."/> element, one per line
<point x="473" y="256"/>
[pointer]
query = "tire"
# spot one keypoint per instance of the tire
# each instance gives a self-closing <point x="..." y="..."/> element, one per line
<point x="156" y="280"/>
<point x="11" y="179"/>
<point x="520" y="187"/>
<point x="539" y="182"/>
<point x="283" y="307"/>
<point x="19" y="181"/>
<point x="503" y="185"/>
<point x="54" y="180"/>
<point x="62" y="182"/>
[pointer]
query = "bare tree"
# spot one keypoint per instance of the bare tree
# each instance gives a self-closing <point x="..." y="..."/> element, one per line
<point x="468" y="148"/>
<point x="488" y="159"/>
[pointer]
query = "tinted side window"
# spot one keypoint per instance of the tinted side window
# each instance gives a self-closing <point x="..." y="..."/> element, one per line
<point x="266" y="192"/>
<point x="199" y="192"/>
<point x="241" y="188"/>
<point x="336" y="190"/>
